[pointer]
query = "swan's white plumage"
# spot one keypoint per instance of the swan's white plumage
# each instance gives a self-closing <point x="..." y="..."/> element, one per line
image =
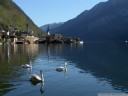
<point x="36" y="78"/>
<point x="61" y="68"/>
<point x="27" y="65"/>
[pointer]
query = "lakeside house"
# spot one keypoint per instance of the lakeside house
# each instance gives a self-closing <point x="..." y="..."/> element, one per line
<point x="16" y="36"/>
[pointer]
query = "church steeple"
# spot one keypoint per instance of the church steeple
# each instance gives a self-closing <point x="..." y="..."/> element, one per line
<point x="48" y="31"/>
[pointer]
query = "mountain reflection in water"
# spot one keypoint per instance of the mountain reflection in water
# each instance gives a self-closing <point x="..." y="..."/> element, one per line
<point x="106" y="61"/>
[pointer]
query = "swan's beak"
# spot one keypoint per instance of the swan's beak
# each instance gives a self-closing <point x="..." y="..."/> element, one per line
<point x="41" y="71"/>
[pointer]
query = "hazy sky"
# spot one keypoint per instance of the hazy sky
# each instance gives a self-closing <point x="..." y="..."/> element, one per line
<point x="50" y="11"/>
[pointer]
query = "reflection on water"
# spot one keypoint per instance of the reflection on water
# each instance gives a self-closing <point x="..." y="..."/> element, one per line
<point x="92" y="68"/>
<point x="11" y="58"/>
<point x="39" y="84"/>
<point x="106" y="61"/>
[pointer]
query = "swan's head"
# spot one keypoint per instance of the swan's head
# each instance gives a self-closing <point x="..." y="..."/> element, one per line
<point x="30" y="61"/>
<point x="41" y="71"/>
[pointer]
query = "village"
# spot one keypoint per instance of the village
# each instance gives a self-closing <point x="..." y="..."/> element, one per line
<point x="16" y="36"/>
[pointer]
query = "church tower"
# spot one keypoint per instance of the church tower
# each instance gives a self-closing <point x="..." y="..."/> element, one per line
<point x="48" y="38"/>
<point x="48" y="31"/>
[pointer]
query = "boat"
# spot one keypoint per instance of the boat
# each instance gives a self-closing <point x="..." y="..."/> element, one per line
<point x="81" y="42"/>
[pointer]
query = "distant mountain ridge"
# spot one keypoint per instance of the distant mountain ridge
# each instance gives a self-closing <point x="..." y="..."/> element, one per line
<point x="11" y="14"/>
<point x="51" y="26"/>
<point x="107" y="21"/>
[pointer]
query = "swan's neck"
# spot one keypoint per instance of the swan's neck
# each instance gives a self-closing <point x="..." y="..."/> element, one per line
<point x="42" y="78"/>
<point x="30" y="64"/>
<point x="64" y="65"/>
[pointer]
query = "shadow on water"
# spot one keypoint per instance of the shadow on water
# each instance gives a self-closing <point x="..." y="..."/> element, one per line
<point x="105" y="61"/>
<point x="5" y="87"/>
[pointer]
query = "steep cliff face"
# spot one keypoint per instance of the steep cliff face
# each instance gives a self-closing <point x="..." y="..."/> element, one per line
<point x="105" y="21"/>
<point x="11" y="14"/>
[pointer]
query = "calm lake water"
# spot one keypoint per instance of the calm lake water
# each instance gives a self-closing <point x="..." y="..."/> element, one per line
<point x="92" y="68"/>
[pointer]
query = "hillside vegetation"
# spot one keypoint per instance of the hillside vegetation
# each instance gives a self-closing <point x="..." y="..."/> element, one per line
<point x="11" y="14"/>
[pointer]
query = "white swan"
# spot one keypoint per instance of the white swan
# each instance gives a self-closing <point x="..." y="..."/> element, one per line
<point x="27" y="65"/>
<point x="61" y="68"/>
<point x="36" y="79"/>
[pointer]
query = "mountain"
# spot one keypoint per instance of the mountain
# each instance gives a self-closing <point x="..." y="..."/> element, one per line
<point x="11" y="14"/>
<point x="51" y="26"/>
<point x="106" y="21"/>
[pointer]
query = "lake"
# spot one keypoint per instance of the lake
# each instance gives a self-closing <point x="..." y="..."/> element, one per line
<point x="92" y="68"/>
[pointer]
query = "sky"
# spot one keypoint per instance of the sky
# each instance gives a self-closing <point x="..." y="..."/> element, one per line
<point x="44" y="12"/>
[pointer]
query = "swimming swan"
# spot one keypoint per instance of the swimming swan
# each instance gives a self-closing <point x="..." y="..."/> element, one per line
<point x="37" y="79"/>
<point x="61" y="68"/>
<point x="27" y="65"/>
